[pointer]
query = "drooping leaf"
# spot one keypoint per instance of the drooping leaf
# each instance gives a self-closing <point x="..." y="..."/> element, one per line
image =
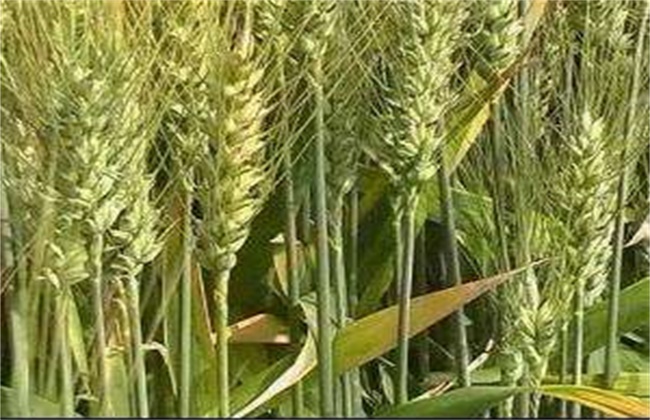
<point x="374" y="335"/>
<point x="611" y="403"/>
<point x="468" y="402"/>
<point x="304" y="363"/>
<point x="635" y="384"/>
<point x="254" y="384"/>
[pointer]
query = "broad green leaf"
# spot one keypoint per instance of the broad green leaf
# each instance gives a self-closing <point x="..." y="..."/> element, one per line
<point x="634" y="312"/>
<point x="611" y="403"/>
<point x="468" y="402"/>
<point x="39" y="406"/>
<point x="254" y="384"/>
<point x="304" y="363"/>
<point x="374" y="335"/>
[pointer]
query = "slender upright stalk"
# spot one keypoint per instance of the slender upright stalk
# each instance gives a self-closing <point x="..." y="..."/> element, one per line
<point x="186" y="311"/>
<point x="353" y="293"/>
<point x="20" y="369"/>
<point x="98" y="297"/>
<point x="221" y="330"/>
<point x="611" y="349"/>
<point x="325" y="357"/>
<point x="453" y="270"/>
<point x="353" y="252"/>
<point x="420" y="287"/>
<point x="578" y="337"/>
<point x="341" y="294"/>
<point x="138" y="352"/>
<point x="67" y="388"/>
<point x="305" y="217"/>
<point x="398" y="218"/>
<point x="297" y="394"/>
<point x="498" y="215"/>
<point x="404" y="304"/>
<point x="564" y="366"/>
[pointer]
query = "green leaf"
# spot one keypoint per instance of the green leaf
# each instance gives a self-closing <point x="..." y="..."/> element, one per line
<point x="271" y="382"/>
<point x="254" y="384"/>
<point x="374" y="335"/>
<point x="468" y="402"/>
<point x="39" y="406"/>
<point x="635" y="384"/>
<point x="611" y="403"/>
<point x="304" y="363"/>
<point x="634" y="312"/>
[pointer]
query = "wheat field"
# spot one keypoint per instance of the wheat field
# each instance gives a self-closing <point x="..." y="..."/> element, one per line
<point x="321" y="208"/>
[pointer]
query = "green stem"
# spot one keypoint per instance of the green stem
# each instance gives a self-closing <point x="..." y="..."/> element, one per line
<point x="404" y="307"/>
<point x="353" y="253"/>
<point x="18" y="313"/>
<point x="138" y="351"/>
<point x="423" y="362"/>
<point x="578" y="337"/>
<point x="305" y="217"/>
<point x="20" y="369"/>
<point x="325" y="358"/>
<point x="353" y="293"/>
<point x="341" y="293"/>
<point x="97" y="250"/>
<point x="297" y="393"/>
<point x="221" y="329"/>
<point x="67" y="388"/>
<point x="453" y="269"/>
<point x="186" y="311"/>
<point x="611" y="349"/>
<point x="564" y="366"/>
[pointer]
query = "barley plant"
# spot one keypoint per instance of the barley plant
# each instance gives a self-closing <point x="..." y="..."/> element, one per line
<point x="283" y="208"/>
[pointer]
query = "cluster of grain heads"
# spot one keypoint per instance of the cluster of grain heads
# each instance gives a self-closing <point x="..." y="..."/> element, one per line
<point x="231" y="178"/>
<point x="415" y="89"/>
<point x="76" y="95"/>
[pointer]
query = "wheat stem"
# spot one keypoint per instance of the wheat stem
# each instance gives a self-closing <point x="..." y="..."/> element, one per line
<point x="323" y="289"/>
<point x="186" y="309"/>
<point x="96" y="252"/>
<point x="297" y="394"/>
<point x="611" y="349"/>
<point x="341" y="292"/>
<point x="404" y="305"/>
<point x="578" y="339"/>
<point x="221" y="330"/>
<point x="353" y="251"/>
<point x="453" y="269"/>
<point x="138" y="352"/>
<point x="67" y="389"/>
